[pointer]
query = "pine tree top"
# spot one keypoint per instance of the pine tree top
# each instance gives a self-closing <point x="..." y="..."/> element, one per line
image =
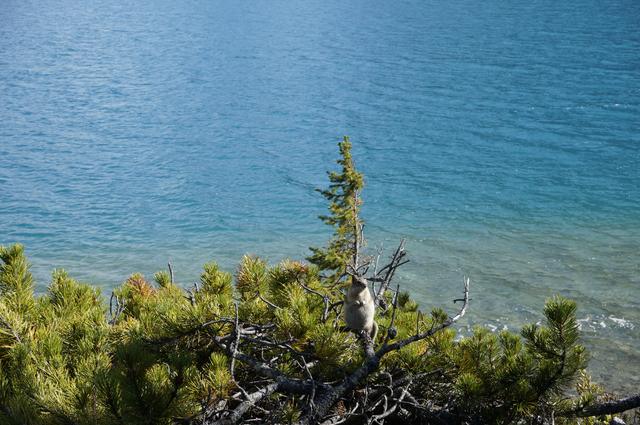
<point x="344" y="199"/>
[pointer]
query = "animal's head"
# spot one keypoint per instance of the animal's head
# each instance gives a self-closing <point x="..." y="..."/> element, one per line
<point x="359" y="281"/>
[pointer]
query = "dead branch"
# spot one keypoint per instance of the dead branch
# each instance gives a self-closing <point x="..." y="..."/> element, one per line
<point x="119" y="308"/>
<point x="286" y="384"/>
<point x="325" y="299"/>
<point x="450" y="321"/>
<point x="283" y="345"/>
<point x="267" y="302"/>
<point x="606" y="408"/>
<point x="389" y="411"/>
<point x="392" y="332"/>
<point x="236" y="415"/>
<point x="385" y="274"/>
<point x="234" y="347"/>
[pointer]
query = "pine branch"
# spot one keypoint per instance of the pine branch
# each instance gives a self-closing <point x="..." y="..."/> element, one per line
<point x="10" y="329"/>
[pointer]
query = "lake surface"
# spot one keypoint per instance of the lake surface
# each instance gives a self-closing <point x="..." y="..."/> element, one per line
<point x="502" y="139"/>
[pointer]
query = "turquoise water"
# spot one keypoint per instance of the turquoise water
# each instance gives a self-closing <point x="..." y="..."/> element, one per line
<point x="501" y="139"/>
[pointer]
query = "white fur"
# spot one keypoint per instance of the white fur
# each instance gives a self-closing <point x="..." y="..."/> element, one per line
<point x="359" y="309"/>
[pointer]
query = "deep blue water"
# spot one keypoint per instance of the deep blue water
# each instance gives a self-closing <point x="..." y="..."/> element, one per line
<point x="501" y="138"/>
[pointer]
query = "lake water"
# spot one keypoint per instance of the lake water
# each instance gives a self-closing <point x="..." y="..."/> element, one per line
<point x="502" y="139"/>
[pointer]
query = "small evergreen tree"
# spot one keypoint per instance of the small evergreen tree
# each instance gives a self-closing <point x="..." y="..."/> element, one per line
<point x="343" y="195"/>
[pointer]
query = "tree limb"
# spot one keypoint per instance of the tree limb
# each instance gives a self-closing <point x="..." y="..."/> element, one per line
<point x="385" y="274"/>
<point x="606" y="408"/>
<point x="242" y="408"/>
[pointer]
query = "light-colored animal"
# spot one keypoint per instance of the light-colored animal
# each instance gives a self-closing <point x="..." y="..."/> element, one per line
<point x="359" y="308"/>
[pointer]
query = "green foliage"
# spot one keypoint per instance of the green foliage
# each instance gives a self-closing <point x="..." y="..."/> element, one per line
<point x="502" y="377"/>
<point x="153" y="353"/>
<point x="16" y="282"/>
<point x="67" y="362"/>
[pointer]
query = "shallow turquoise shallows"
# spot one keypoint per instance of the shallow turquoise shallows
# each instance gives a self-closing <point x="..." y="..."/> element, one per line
<point x="502" y="139"/>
